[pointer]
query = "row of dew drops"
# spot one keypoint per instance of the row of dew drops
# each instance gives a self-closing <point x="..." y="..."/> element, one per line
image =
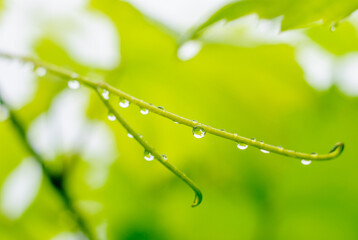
<point x="74" y="84"/>
<point x="199" y="132"/>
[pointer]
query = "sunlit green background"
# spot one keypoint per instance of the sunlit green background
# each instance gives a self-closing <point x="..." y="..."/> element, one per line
<point x="258" y="91"/>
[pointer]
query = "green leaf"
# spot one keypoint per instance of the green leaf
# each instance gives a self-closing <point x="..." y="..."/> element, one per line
<point x="296" y="14"/>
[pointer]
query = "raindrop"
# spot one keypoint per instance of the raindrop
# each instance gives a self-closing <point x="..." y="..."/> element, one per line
<point x="105" y="94"/>
<point x="198" y="132"/>
<point x="73" y="84"/>
<point x="40" y="71"/>
<point x="144" y="111"/>
<point x="161" y="108"/>
<point x="111" y="117"/>
<point x="242" y="146"/>
<point x="130" y="135"/>
<point x="306" y="162"/>
<point x="124" y="103"/>
<point x="148" y="156"/>
<point x="4" y="113"/>
<point x="165" y="157"/>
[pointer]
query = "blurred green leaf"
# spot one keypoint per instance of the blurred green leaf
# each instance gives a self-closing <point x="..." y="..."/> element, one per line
<point x="296" y="14"/>
<point x="342" y="41"/>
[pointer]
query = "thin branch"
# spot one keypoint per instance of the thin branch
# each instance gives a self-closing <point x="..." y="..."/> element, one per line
<point x="55" y="180"/>
<point x="336" y="150"/>
<point x="153" y="151"/>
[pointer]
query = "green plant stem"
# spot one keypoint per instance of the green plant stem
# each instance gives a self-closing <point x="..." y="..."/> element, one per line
<point x="336" y="150"/>
<point x="55" y="180"/>
<point x="153" y="151"/>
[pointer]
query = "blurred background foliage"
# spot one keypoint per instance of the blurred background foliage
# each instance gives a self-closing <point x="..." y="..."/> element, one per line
<point x="256" y="88"/>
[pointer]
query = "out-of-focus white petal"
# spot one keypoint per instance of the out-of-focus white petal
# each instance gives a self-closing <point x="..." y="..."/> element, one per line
<point x="317" y="65"/>
<point x="179" y="15"/>
<point x="347" y="74"/>
<point x="17" y="83"/>
<point x="20" y="188"/>
<point x="92" y="40"/>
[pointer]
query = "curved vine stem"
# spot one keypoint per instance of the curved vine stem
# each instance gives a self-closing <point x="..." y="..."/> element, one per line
<point x="153" y="151"/>
<point x="336" y="150"/>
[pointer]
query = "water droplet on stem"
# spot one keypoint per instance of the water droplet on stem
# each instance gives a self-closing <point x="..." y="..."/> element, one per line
<point x="198" y="132"/>
<point x="144" y="111"/>
<point x="73" y="84"/>
<point x="148" y="156"/>
<point x="40" y="71"/>
<point x="264" y="151"/>
<point x="306" y="162"/>
<point x="124" y="103"/>
<point x="111" y="117"/>
<point x="105" y="94"/>
<point x="242" y="146"/>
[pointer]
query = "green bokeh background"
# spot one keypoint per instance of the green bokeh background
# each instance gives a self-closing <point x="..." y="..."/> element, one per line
<point x="257" y="92"/>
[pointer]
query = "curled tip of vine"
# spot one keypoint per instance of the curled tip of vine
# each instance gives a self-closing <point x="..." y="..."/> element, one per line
<point x="338" y="147"/>
<point x="198" y="198"/>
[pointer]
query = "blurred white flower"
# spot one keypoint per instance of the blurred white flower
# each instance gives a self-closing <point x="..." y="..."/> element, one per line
<point x="20" y="188"/>
<point x="64" y="129"/>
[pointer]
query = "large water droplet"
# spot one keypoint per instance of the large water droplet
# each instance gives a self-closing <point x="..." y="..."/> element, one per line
<point x="306" y="162"/>
<point x="73" y="84"/>
<point x="40" y="71"/>
<point x="111" y="117"/>
<point x="242" y="146"/>
<point x="4" y="113"/>
<point x="124" y="103"/>
<point x="105" y="94"/>
<point x="148" y="156"/>
<point x="144" y="111"/>
<point x="198" y="132"/>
